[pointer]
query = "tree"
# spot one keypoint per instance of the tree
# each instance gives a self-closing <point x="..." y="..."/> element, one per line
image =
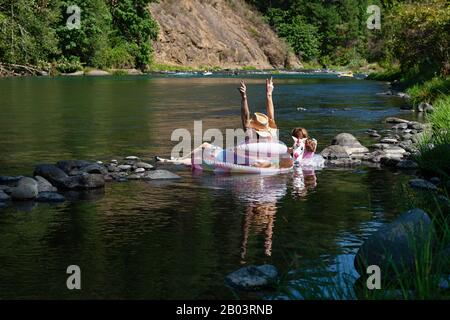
<point x="26" y="34"/>
<point x="89" y="41"/>
<point x="134" y="25"/>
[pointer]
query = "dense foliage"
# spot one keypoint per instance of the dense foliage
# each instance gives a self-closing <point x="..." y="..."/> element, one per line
<point x="113" y="34"/>
<point x="414" y="34"/>
<point x="331" y="32"/>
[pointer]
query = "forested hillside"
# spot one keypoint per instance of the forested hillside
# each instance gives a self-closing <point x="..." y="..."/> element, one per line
<point x="111" y="33"/>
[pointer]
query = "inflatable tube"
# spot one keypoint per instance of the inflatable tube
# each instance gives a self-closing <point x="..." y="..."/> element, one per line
<point x="267" y="152"/>
<point x="264" y="148"/>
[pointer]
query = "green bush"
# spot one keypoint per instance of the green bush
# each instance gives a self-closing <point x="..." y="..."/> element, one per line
<point x="434" y="148"/>
<point x="429" y="91"/>
<point x="119" y="57"/>
<point x="68" y="65"/>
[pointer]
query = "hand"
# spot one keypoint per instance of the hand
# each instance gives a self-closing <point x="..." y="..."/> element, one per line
<point x="269" y="86"/>
<point x="243" y="89"/>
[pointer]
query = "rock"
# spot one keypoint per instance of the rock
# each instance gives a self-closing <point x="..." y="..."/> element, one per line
<point x="160" y="175"/>
<point x="388" y="140"/>
<point x="252" y="277"/>
<point x="96" y="73"/>
<point x="72" y="74"/>
<point x="135" y="176"/>
<point x="389" y="160"/>
<point x="70" y="165"/>
<point x="144" y="165"/>
<point x="429" y="109"/>
<point x="8" y="180"/>
<point x="395" y="120"/>
<point x="108" y="178"/>
<point x="435" y="180"/>
<point x="407" y="136"/>
<point x="50" y="197"/>
<point x="422" y="184"/>
<point x="44" y="185"/>
<point x="132" y="158"/>
<point x="374" y="135"/>
<point x="52" y="173"/>
<point x="400" y="126"/>
<point x="112" y="168"/>
<point x="423" y="106"/>
<point x="93" y="168"/>
<point x="85" y="181"/>
<point x="407" y="164"/>
<point x="3" y="196"/>
<point x="343" y="162"/>
<point x="374" y="157"/>
<point x="350" y="143"/>
<point x="139" y="170"/>
<point x="114" y="161"/>
<point x="444" y="282"/>
<point x="416" y="126"/>
<point x="26" y="189"/>
<point x="395" y="244"/>
<point x="99" y="162"/>
<point x="335" y="152"/>
<point x="124" y="167"/>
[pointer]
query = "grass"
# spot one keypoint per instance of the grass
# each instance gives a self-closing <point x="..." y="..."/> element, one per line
<point x="430" y="90"/>
<point x="434" y="147"/>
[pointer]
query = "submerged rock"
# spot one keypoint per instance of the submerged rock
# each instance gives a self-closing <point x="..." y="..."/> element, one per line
<point x="396" y="244"/>
<point x="10" y="180"/>
<point x="143" y="165"/>
<point x="252" y="277"/>
<point x="69" y="165"/>
<point x="26" y="189"/>
<point x="160" y="175"/>
<point x="85" y="181"/>
<point x="44" y="185"/>
<point x="3" y="196"/>
<point x="422" y="184"/>
<point x="395" y="120"/>
<point x="50" y="197"/>
<point x="407" y="164"/>
<point x="335" y="152"/>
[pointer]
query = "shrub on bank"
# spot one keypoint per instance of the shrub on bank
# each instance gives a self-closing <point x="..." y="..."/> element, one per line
<point x="434" y="148"/>
<point x="429" y="91"/>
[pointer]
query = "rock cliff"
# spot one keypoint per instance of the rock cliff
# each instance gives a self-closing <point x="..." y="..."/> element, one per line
<point x="217" y="33"/>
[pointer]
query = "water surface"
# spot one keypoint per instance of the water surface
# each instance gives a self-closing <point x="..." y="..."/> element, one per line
<point x="169" y="240"/>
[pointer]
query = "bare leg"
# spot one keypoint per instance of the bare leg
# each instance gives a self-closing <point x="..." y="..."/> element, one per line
<point x="187" y="159"/>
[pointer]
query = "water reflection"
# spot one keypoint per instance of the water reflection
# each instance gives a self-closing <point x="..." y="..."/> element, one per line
<point x="260" y="196"/>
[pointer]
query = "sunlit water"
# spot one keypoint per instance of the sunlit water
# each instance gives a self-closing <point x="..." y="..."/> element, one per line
<point x="180" y="239"/>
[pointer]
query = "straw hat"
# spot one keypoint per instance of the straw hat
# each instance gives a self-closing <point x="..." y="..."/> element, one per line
<point x="263" y="126"/>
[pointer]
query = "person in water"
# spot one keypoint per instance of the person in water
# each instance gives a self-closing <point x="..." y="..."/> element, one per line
<point x="304" y="147"/>
<point x="258" y="128"/>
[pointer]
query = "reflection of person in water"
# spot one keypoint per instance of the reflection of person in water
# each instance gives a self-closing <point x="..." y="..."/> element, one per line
<point x="303" y="181"/>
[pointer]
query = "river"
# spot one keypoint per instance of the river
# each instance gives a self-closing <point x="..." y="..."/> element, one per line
<point x="178" y="240"/>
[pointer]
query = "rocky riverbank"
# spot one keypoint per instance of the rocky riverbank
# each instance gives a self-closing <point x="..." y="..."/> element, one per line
<point x="70" y="179"/>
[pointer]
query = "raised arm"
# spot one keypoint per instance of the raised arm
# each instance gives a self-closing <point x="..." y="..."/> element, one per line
<point x="245" y="112"/>
<point x="269" y="101"/>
